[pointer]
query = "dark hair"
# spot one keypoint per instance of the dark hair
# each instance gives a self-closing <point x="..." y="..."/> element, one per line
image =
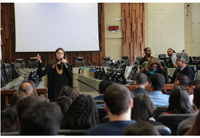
<point x="158" y="81"/>
<point x="69" y="92"/>
<point x="41" y="119"/>
<point x="179" y="101"/>
<point x="194" y="83"/>
<point x="54" y="61"/>
<point x="197" y="96"/>
<point x="25" y="89"/>
<point x="143" y="108"/>
<point x="194" y="129"/>
<point x="9" y="120"/>
<point x="64" y="103"/>
<point x="34" y="88"/>
<point x="103" y="85"/>
<point x="16" y="97"/>
<point x="172" y="50"/>
<point x="82" y="114"/>
<point x="145" y="49"/>
<point x="117" y="98"/>
<point x="141" y="79"/>
<point x="25" y="103"/>
<point x="141" y="128"/>
<point x="183" y="79"/>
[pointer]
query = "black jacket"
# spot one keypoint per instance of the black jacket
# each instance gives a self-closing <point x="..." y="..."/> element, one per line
<point x="143" y="60"/>
<point x="139" y="90"/>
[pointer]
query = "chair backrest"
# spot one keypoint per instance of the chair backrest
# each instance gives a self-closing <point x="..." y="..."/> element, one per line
<point x="20" y="63"/>
<point x="101" y="112"/>
<point x="183" y="129"/>
<point x="7" y="71"/>
<point x="161" y="56"/>
<point x="195" y="69"/>
<point x="71" y="132"/>
<point x="172" y="120"/>
<point x="105" y="61"/>
<point x="32" y="63"/>
<point x="191" y="61"/>
<point x="80" y="62"/>
<point x="166" y="75"/>
<point x="163" y="130"/>
<point x="137" y="61"/>
<point x="15" y="70"/>
<point x="127" y="60"/>
<point x="3" y="77"/>
<point x="160" y="110"/>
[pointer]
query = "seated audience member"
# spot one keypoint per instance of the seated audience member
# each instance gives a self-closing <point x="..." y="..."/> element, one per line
<point x="26" y="87"/>
<point x="25" y="103"/>
<point x="179" y="102"/>
<point x="140" y="84"/>
<point x="118" y="103"/>
<point x="34" y="88"/>
<point x="64" y="102"/>
<point x="182" y="60"/>
<point x="9" y="120"/>
<point x="147" y="56"/>
<point x="195" y="128"/>
<point x="172" y="54"/>
<point x="69" y="92"/>
<point x="141" y="128"/>
<point x="155" y="86"/>
<point x="153" y="66"/>
<point x="102" y="87"/>
<point x="41" y="119"/>
<point x="143" y="109"/>
<point x="82" y="114"/>
<point x="191" y="86"/>
<point x="196" y="103"/>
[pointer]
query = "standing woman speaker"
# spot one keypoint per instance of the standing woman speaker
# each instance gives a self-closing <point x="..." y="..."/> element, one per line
<point x="58" y="72"/>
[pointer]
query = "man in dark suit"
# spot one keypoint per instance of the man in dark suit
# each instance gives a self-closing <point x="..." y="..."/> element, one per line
<point x="140" y="83"/>
<point x="182" y="60"/>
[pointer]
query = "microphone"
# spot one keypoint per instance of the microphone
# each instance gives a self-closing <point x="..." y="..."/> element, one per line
<point x="64" y="64"/>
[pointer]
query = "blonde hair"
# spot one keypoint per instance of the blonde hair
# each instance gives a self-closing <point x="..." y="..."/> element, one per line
<point x="151" y="62"/>
<point x="54" y="61"/>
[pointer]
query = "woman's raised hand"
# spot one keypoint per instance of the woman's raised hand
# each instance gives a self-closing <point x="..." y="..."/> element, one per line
<point x="39" y="58"/>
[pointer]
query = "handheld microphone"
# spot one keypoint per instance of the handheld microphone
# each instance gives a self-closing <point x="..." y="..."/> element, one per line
<point x="64" y="63"/>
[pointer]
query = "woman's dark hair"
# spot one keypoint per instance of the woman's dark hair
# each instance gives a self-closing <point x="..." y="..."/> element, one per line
<point x="54" y="61"/>
<point x="64" y="102"/>
<point x="179" y="101"/>
<point x="82" y="114"/>
<point x="69" y="92"/>
<point x="143" y="108"/>
<point x="9" y="120"/>
<point x="16" y="97"/>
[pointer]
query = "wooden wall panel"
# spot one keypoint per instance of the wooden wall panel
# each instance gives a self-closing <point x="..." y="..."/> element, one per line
<point x="8" y="40"/>
<point x="133" y="29"/>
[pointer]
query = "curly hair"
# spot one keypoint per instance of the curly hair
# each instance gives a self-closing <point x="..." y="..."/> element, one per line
<point x="150" y="62"/>
<point x="69" y="92"/>
<point x="82" y="114"/>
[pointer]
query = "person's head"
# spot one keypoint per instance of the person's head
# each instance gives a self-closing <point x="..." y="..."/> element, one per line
<point x="26" y="87"/>
<point x="64" y="103"/>
<point x="82" y="114"/>
<point x="9" y="120"/>
<point x="179" y="101"/>
<point x="143" y="108"/>
<point x="152" y="65"/>
<point x="156" y="82"/>
<point x="183" y="50"/>
<point x="182" y="80"/>
<point x="182" y="59"/>
<point x="147" y="51"/>
<point x="170" y="51"/>
<point x="25" y="103"/>
<point x="196" y="100"/>
<point x="141" y="128"/>
<point x="58" y="54"/>
<point x="16" y="97"/>
<point x="34" y="88"/>
<point x="192" y="85"/>
<point x="117" y="99"/>
<point x="103" y="85"/>
<point x="41" y="119"/>
<point x="141" y="80"/>
<point x="69" y="92"/>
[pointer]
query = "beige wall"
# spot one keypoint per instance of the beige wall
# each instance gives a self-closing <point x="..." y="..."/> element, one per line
<point x="113" y="40"/>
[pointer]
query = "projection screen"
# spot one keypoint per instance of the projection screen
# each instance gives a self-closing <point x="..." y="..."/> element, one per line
<point x="43" y="27"/>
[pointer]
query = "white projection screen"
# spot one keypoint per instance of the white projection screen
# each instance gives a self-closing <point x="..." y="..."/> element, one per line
<point x="43" y="27"/>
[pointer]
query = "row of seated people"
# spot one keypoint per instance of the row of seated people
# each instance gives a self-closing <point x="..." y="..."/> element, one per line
<point x="127" y="111"/>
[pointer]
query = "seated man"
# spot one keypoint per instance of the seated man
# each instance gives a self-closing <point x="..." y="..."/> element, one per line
<point x="182" y="60"/>
<point x="196" y="103"/>
<point x="191" y="86"/>
<point x="118" y="103"/>
<point x="147" y="56"/>
<point x="26" y="87"/>
<point x="172" y="54"/>
<point x="155" y="86"/>
<point x="140" y="84"/>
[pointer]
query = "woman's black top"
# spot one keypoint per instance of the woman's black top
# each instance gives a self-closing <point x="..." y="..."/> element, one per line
<point x="55" y="81"/>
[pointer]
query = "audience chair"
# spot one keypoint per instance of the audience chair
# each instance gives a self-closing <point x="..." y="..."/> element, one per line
<point x="101" y="112"/>
<point x="15" y="70"/>
<point x="166" y="75"/>
<point x="80" y="62"/>
<point x="105" y="62"/>
<point x="172" y="120"/>
<point x="162" y="62"/>
<point x="137" y="61"/>
<point x="20" y="63"/>
<point x="99" y="101"/>
<point x="162" y="56"/>
<point x="71" y="132"/>
<point x="160" y="110"/>
<point x="163" y="130"/>
<point x="7" y="71"/>
<point x="191" y="61"/>
<point x="127" y="60"/>
<point x="3" y="77"/>
<point x="195" y="69"/>
<point x="183" y="130"/>
<point x="32" y="63"/>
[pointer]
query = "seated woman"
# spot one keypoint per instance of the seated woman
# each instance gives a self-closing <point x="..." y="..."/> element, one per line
<point x="153" y="66"/>
<point x="179" y="102"/>
<point x="69" y="92"/>
<point x="82" y="114"/>
<point x="143" y="109"/>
